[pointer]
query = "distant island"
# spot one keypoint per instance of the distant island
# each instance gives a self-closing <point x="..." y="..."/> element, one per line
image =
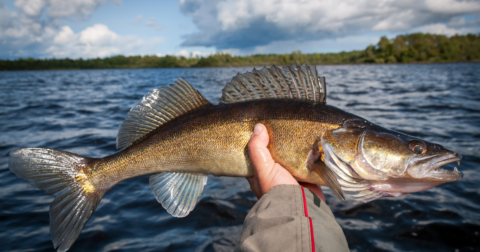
<point x="411" y="48"/>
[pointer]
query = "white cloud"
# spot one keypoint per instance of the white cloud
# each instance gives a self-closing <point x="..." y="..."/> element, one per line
<point x="27" y="32"/>
<point x="99" y="41"/>
<point x="348" y="43"/>
<point x="200" y="54"/>
<point x="66" y="35"/>
<point x="99" y="35"/>
<point x="438" y="29"/>
<point x="457" y="22"/>
<point x="138" y="20"/>
<point x="186" y="54"/>
<point x="19" y="30"/>
<point x="78" y="8"/>
<point x="191" y="54"/>
<point x="452" y="6"/>
<point x="60" y="8"/>
<point x="31" y="7"/>
<point x="246" y="24"/>
<point x="396" y="22"/>
<point x="183" y="53"/>
<point x="152" y="23"/>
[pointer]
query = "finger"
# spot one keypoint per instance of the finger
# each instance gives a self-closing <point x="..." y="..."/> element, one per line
<point x="255" y="187"/>
<point x="259" y="154"/>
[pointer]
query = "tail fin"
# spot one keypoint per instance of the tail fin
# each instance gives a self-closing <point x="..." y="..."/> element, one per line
<point x="61" y="174"/>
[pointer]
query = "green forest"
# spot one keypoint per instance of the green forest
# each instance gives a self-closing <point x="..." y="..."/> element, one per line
<point x="411" y="48"/>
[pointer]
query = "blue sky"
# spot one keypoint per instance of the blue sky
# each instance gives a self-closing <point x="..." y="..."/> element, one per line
<point x="102" y="28"/>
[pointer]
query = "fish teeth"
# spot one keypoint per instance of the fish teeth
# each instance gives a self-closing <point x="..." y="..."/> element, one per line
<point x="455" y="169"/>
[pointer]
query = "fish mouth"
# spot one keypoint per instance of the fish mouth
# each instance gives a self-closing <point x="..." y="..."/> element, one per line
<point x="430" y="168"/>
<point x="425" y="173"/>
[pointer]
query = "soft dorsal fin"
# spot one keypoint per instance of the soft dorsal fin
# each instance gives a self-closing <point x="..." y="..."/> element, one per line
<point x="158" y="107"/>
<point x="289" y="82"/>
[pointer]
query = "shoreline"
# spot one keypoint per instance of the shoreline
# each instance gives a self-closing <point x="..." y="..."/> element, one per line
<point x="417" y="48"/>
<point x="251" y="66"/>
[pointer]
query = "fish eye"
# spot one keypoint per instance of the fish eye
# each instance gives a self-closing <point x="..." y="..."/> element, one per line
<point x="418" y="147"/>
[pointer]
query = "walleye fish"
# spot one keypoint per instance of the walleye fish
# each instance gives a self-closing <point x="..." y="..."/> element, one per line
<point x="179" y="137"/>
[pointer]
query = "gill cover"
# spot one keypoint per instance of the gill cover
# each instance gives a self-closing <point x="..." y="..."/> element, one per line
<point x="350" y="154"/>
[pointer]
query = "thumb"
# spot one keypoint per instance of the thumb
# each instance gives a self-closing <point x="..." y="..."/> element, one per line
<point x="259" y="154"/>
<point x="260" y="135"/>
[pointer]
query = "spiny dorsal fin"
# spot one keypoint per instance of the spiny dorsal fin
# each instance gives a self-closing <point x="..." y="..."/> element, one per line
<point x="158" y="107"/>
<point x="289" y="82"/>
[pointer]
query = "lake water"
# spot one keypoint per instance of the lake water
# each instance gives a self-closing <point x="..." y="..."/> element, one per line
<point x="80" y="111"/>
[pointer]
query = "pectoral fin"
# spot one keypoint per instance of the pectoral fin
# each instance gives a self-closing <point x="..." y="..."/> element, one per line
<point x="314" y="163"/>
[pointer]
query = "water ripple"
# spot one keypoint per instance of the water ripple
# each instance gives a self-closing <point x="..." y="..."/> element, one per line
<point x="80" y="112"/>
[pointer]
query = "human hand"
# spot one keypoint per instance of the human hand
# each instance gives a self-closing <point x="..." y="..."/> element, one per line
<point x="268" y="173"/>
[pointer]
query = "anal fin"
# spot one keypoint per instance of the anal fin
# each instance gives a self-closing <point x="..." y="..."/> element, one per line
<point x="178" y="192"/>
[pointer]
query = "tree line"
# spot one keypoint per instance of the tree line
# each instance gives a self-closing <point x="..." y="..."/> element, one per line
<point x="411" y="48"/>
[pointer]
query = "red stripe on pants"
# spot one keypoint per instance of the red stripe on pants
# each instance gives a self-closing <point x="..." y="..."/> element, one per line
<point x="310" y="219"/>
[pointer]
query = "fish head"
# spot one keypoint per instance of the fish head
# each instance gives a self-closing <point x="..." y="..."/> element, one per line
<point x="372" y="162"/>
